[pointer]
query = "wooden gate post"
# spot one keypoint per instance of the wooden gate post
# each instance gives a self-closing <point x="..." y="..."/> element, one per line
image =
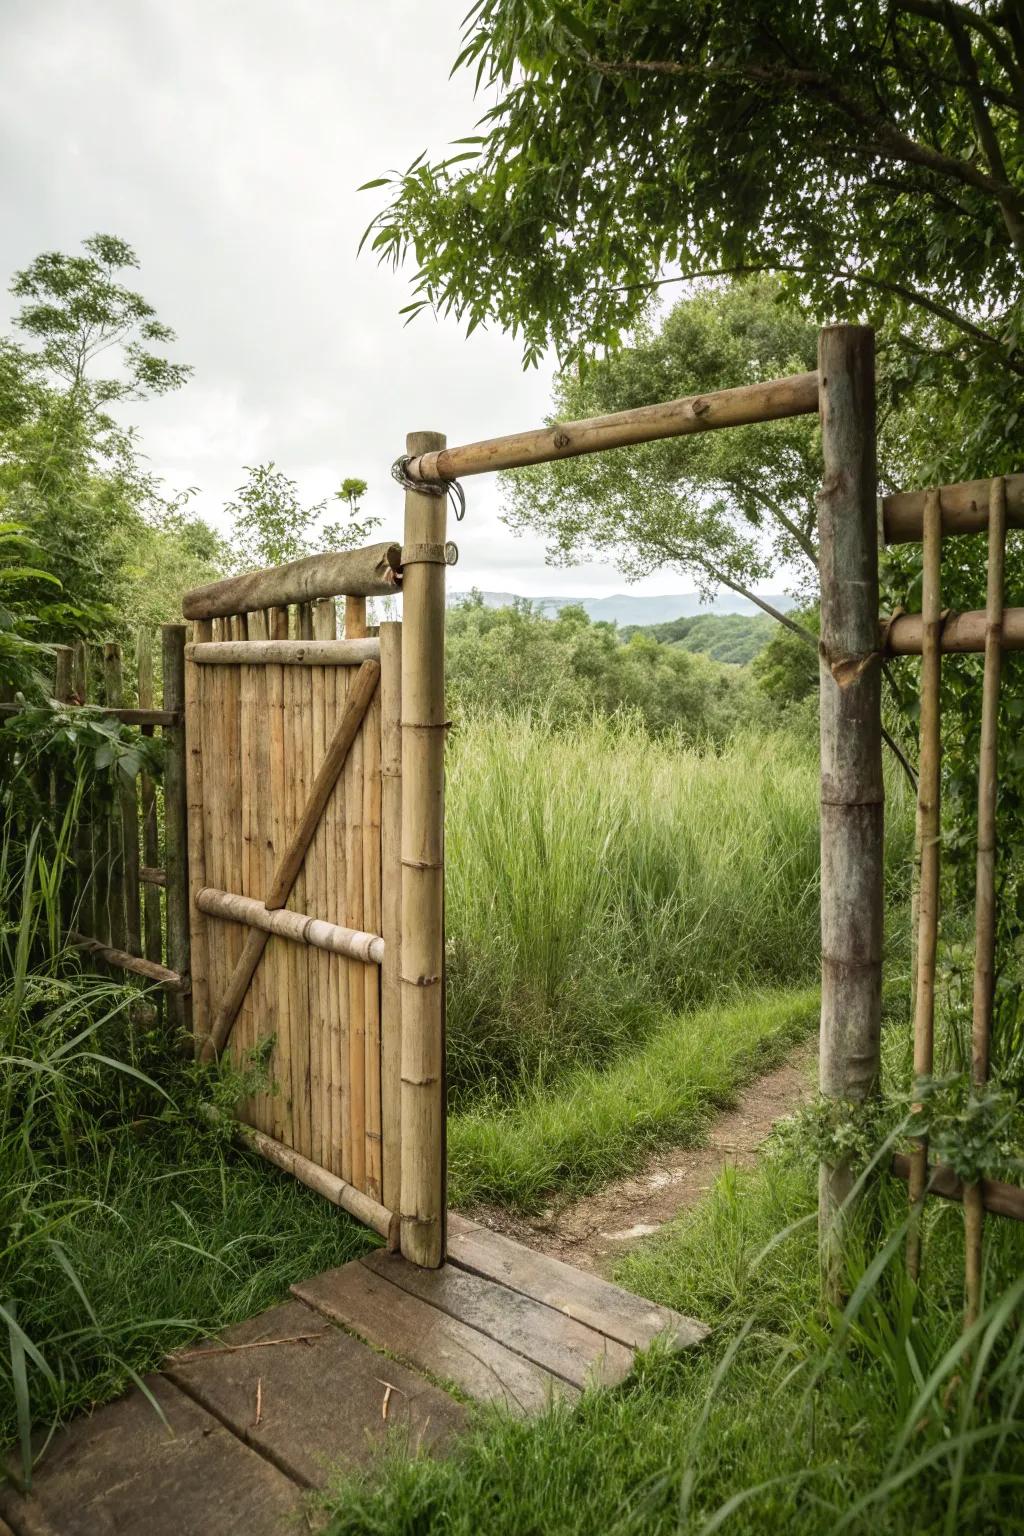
<point x="423" y="736"/>
<point x="851" y="755"/>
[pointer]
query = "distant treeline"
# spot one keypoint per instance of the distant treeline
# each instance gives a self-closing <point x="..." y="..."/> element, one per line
<point x="731" y="637"/>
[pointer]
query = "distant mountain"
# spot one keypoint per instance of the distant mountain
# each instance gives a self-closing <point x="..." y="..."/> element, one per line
<point x="628" y="608"/>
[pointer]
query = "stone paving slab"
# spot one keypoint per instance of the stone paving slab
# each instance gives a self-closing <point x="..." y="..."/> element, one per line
<point x="123" y="1472"/>
<point x="323" y="1401"/>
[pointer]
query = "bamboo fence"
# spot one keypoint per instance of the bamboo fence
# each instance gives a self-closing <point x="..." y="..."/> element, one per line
<point x="125" y="905"/>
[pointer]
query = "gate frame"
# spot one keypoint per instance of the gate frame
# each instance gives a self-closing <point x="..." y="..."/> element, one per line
<point x="852" y="524"/>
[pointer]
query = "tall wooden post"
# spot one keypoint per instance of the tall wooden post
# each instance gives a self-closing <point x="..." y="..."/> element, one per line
<point x="423" y="737"/>
<point x="851" y="755"/>
<point x="175" y="816"/>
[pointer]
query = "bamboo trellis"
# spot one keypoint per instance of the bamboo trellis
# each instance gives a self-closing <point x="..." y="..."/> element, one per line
<point x="1000" y="631"/>
<point x="122" y="907"/>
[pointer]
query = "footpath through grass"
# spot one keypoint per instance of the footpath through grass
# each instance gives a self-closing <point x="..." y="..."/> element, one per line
<point x="785" y="1422"/>
<point x="596" y="1125"/>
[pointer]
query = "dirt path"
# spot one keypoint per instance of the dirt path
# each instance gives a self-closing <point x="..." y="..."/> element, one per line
<point x="593" y="1232"/>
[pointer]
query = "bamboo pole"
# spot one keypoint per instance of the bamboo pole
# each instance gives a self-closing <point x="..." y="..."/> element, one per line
<point x="62" y="666"/>
<point x="152" y="919"/>
<point x="962" y="633"/>
<point x="312" y="683"/>
<point x="985" y="878"/>
<point x="851" y="759"/>
<point x="172" y="645"/>
<point x="324" y="632"/>
<point x="794" y="396"/>
<point x="965" y="509"/>
<point x="295" y="851"/>
<point x="369" y="572"/>
<point x="85" y="873"/>
<point x="997" y="1198"/>
<point x="58" y="786"/>
<point x="928" y="835"/>
<point x="321" y="651"/>
<point x="340" y="1193"/>
<point x="391" y="911"/>
<point x="341" y="1107"/>
<point x="148" y="969"/>
<point x="354" y="978"/>
<point x="371" y="814"/>
<point x="281" y="1103"/>
<point x="194" y="819"/>
<point x="117" y="821"/>
<point x="423" y="739"/>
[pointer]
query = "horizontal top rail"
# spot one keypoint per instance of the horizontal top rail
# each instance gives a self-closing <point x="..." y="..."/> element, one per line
<point x="964" y="509"/>
<point x="283" y="653"/>
<point x="374" y="571"/>
<point x="796" y="395"/>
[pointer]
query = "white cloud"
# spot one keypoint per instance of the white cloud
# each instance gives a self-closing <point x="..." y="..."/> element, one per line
<point x="225" y="141"/>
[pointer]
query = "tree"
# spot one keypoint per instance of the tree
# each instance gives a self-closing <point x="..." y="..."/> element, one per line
<point x="868" y="149"/>
<point x="725" y="509"/>
<point x="270" y="526"/>
<point x="77" y="311"/>
<point x="111" y="549"/>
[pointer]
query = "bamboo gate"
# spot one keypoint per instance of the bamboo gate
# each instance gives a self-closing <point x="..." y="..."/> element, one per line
<point x="313" y="879"/>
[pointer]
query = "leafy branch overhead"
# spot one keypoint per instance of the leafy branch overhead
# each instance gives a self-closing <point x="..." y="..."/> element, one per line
<point x="869" y="151"/>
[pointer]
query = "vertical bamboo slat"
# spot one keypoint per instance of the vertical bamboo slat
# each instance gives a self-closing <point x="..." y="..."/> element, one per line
<point x="372" y="924"/>
<point x="325" y="628"/>
<point x="297" y="791"/>
<point x="152" y="937"/>
<point x="928" y="824"/>
<point x="275" y="956"/>
<point x="172" y="647"/>
<point x="340" y="1037"/>
<point x="85" y="873"/>
<point x="313" y="743"/>
<point x="851" y="757"/>
<point x="391" y="911"/>
<point x="117" y="932"/>
<point x="423" y="737"/>
<point x="985" y="876"/>
<point x="355" y="629"/>
<point x="152" y="917"/>
<point x="197" y="922"/>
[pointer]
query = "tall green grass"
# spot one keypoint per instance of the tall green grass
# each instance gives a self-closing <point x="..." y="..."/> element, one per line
<point x="599" y="879"/>
<point x="599" y="1124"/>
<point x="127" y="1226"/>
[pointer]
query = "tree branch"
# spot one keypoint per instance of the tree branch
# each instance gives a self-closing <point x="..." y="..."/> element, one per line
<point x="892" y="142"/>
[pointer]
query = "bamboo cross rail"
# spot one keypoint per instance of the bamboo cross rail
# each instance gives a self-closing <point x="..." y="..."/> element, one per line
<point x="284" y="653"/>
<point x="965" y="509"/>
<point x="367" y="1210"/>
<point x="352" y="942"/>
<point x="961" y="633"/>
<point x="927" y="839"/>
<point x="796" y="395"/>
<point x="356" y="705"/>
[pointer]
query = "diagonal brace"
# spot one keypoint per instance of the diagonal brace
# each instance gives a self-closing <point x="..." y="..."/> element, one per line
<point x="356" y="705"/>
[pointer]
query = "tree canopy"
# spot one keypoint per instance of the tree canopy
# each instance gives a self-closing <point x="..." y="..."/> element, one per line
<point x="867" y="149"/>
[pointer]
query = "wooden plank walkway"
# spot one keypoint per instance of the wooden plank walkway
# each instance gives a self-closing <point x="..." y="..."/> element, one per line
<point x="255" y="1421"/>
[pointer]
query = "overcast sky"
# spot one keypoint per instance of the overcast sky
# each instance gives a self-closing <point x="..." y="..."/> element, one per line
<point x="224" y="139"/>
